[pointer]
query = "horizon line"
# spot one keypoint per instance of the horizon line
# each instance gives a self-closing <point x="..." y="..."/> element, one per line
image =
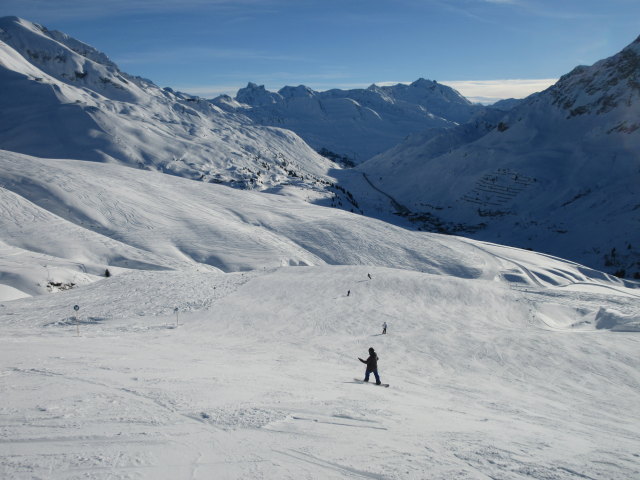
<point x="491" y="90"/>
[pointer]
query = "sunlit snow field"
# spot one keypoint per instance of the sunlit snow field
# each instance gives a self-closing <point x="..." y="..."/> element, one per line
<point x="502" y="363"/>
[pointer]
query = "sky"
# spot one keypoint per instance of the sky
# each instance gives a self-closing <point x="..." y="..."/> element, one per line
<point x="487" y="49"/>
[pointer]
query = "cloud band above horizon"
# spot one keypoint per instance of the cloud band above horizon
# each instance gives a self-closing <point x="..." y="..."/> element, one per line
<point x="481" y="91"/>
<point x="490" y="91"/>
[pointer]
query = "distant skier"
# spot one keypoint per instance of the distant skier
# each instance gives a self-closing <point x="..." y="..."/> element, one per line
<point x="369" y="275"/>
<point x="372" y="366"/>
<point x="384" y="328"/>
<point x="348" y="292"/>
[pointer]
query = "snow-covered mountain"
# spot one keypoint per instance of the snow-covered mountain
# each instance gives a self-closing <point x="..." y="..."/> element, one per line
<point x="506" y="104"/>
<point x="156" y="327"/>
<point x="358" y="123"/>
<point x="570" y="150"/>
<point x="559" y="173"/>
<point x="63" y="99"/>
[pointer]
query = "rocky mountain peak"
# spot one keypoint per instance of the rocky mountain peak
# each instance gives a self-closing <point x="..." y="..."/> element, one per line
<point x="601" y="88"/>
<point x="257" y="95"/>
<point x="301" y="91"/>
<point x="424" y="83"/>
<point x="68" y="60"/>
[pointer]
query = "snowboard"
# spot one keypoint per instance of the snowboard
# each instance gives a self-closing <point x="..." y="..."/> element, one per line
<point x="386" y="385"/>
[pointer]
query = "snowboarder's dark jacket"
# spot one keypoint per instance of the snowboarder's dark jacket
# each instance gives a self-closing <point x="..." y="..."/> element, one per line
<point x="372" y="362"/>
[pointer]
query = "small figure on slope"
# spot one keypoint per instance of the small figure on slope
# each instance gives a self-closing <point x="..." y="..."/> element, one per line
<point x="384" y="328"/>
<point x="372" y="366"/>
<point x="369" y="275"/>
<point x="348" y="292"/>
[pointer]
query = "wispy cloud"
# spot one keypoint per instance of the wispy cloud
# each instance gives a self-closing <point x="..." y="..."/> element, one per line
<point x="506" y="2"/>
<point x="209" y="91"/>
<point x="49" y="10"/>
<point x="489" y="91"/>
<point x="191" y="54"/>
<point x="482" y="91"/>
<point x="273" y="81"/>
<point x="568" y="10"/>
<point x="492" y="90"/>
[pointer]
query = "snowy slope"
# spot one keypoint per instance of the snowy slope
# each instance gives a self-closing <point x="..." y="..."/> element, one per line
<point x="559" y="173"/>
<point x="97" y="216"/>
<point x="68" y="221"/>
<point x="357" y="123"/>
<point x="503" y="363"/>
<point x="257" y="381"/>
<point x="63" y="99"/>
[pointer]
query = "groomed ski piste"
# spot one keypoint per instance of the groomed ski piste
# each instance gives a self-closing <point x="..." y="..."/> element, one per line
<point x="224" y="345"/>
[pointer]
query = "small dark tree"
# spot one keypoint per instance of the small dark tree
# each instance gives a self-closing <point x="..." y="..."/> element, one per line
<point x="503" y="127"/>
<point x="107" y="273"/>
<point x="620" y="273"/>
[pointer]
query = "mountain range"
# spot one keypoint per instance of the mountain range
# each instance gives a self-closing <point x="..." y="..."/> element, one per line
<point x="355" y="124"/>
<point x="557" y="172"/>
<point x="64" y="99"/>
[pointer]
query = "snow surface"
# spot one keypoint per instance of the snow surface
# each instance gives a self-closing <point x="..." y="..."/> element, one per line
<point x="257" y="381"/>
<point x="498" y="369"/>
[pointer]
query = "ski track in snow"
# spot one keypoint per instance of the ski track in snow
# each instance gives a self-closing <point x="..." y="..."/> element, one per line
<point x="254" y="382"/>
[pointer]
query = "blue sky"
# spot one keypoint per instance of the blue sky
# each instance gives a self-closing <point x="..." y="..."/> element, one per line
<point x="485" y="48"/>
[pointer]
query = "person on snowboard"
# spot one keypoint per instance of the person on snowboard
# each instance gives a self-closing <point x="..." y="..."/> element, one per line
<point x="384" y="328"/>
<point x="372" y="366"/>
